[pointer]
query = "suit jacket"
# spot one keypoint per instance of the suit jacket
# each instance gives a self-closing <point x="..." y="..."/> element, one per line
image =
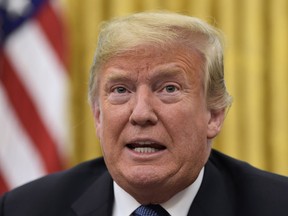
<point x="230" y="187"/>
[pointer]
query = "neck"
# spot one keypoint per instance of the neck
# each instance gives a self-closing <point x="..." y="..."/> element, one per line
<point x="155" y="194"/>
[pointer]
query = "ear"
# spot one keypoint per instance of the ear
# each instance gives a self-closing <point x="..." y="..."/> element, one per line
<point x="97" y="116"/>
<point x="215" y="123"/>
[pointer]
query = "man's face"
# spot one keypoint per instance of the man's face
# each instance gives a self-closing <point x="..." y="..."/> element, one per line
<point x="152" y="121"/>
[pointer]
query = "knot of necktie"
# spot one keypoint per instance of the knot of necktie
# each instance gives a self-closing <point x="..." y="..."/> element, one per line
<point x="150" y="210"/>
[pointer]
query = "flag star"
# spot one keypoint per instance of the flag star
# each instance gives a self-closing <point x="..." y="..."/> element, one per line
<point x="18" y="8"/>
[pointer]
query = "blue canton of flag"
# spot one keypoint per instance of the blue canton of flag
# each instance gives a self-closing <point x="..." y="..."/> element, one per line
<point x="15" y="12"/>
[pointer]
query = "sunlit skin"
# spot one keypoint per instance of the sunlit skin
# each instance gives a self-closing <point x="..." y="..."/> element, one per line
<point x="155" y="98"/>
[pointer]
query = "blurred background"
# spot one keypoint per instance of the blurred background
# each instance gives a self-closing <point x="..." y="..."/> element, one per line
<point x="46" y="51"/>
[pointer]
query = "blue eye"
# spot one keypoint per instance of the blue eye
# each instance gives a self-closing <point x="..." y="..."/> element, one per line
<point x="120" y="90"/>
<point x="171" y="88"/>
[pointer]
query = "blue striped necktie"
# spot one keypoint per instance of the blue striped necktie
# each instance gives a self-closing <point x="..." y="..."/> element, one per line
<point x="150" y="210"/>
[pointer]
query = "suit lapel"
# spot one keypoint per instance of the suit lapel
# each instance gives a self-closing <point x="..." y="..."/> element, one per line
<point x="98" y="199"/>
<point x="216" y="195"/>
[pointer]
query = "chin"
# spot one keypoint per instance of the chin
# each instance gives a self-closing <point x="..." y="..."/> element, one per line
<point x="149" y="187"/>
<point x="144" y="177"/>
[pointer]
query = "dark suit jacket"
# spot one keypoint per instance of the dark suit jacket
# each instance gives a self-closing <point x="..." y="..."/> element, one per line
<point x="229" y="187"/>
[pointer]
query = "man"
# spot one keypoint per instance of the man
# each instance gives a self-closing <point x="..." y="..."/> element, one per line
<point x="159" y="98"/>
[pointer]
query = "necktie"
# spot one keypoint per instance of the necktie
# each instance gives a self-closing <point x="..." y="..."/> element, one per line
<point x="150" y="210"/>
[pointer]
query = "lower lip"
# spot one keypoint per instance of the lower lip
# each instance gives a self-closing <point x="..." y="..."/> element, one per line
<point x="146" y="155"/>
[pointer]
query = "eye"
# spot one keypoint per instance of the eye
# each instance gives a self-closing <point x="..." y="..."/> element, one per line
<point x="170" y="88"/>
<point x="170" y="92"/>
<point x="119" y="94"/>
<point x="120" y="90"/>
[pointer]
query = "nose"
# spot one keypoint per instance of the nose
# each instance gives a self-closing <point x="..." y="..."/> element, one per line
<point x="143" y="113"/>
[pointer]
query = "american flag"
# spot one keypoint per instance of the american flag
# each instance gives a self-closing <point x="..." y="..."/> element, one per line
<point x="33" y="91"/>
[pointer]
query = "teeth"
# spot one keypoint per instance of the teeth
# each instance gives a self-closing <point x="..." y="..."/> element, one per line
<point x="145" y="150"/>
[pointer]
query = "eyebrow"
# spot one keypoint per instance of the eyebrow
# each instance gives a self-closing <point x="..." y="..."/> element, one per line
<point x="168" y="72"/>
<point x="158" y="73"/>
<point x="117" y="77"/>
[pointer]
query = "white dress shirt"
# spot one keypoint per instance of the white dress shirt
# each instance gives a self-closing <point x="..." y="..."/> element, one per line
<point x="178" y="205"/>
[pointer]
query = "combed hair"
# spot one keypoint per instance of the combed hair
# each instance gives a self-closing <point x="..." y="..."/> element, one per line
<point x="163" y="29"/>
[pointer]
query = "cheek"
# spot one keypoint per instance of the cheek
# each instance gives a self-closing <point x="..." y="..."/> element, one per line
<point x="117" y="117"/>
<point x="190" y="144"/>
<point x="187" y="129"/>
<point x="113" y="121"/>
<point x="192" y="151"/>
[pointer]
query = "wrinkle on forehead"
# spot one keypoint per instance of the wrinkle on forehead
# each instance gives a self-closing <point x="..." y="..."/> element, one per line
<point x="145" y="59"/>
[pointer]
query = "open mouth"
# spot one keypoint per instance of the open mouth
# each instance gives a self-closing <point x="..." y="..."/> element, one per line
<point x="146" y="147"/>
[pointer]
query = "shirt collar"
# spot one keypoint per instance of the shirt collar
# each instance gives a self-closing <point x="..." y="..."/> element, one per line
<point x="179" y="204"/>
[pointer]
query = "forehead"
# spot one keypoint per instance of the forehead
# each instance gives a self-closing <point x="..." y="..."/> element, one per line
<point x="148" y="59"/>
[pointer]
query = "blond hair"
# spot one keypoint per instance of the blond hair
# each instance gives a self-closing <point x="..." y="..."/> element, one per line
<point x="162" y="29"/>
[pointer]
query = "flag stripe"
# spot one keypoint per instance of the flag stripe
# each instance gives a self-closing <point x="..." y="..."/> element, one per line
<point x="43" y="78"/>
<point x="53" y="29"/>
<point x="3" y="185"/>
<point x="33" y="92"/>
<point x="19" y="161"/>
<point x="29" y="117"/>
